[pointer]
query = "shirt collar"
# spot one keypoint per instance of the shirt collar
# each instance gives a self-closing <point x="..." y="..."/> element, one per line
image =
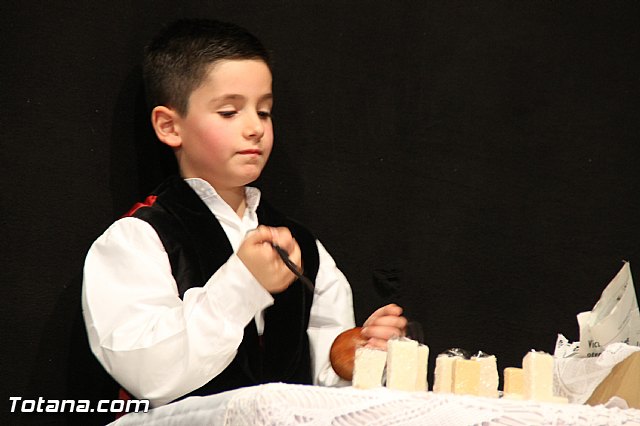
<point x="216" y="204"/>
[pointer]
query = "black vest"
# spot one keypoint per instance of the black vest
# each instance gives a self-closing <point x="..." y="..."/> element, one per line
<point x="197" y="247"/>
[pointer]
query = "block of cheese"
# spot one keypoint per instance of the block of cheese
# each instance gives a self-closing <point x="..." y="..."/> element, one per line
<point x="514" y="396"/>
<point x="368" y="368"/>
<point x="559" y="400"/>
<point x="443" y="374"/>
<point x="421" y="373"/>
<point x="466" y="377"/>
<point x="402" y="364"/>
<point x="513" y="382"/>
<point x="537" y="370"/>
<point x="489" y="378"/>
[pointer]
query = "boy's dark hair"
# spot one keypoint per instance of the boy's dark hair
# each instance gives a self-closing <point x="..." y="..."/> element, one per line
<point x="178" y="59"/>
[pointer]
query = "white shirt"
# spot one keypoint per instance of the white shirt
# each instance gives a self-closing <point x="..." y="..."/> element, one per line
<point x="160" y="347"/>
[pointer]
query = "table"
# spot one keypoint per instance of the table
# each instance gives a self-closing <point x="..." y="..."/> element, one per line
<point x="284" y="404"/>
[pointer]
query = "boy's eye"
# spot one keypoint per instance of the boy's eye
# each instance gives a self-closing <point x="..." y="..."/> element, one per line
<point x="264" y="114"/>
<point x="227" y="114"/>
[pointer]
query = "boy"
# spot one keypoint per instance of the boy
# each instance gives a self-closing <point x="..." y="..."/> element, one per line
<point x="185" y="295"/>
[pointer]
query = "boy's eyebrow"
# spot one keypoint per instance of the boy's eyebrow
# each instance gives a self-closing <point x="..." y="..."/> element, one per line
<point x="236" y="97"/>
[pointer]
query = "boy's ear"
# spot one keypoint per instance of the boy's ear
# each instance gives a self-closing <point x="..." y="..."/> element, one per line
<point x="165" y="123"/>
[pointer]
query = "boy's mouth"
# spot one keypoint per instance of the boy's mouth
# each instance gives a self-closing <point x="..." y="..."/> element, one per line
<point x="250" y="152"/>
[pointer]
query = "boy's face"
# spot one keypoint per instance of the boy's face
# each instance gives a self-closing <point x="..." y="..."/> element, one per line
<point x="227" y="135"/>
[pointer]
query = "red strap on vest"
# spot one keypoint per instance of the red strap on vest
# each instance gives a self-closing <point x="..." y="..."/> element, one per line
<point x="146" y="203"/>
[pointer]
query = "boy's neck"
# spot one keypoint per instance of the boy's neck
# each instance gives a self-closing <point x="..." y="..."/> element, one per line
<point x="235" y="198"/>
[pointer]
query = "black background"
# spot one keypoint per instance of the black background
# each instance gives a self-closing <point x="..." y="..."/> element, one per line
<point x="475" y="162"/>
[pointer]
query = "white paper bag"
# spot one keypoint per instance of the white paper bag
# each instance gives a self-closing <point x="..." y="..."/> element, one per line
<point x="614" y="318"/>
<point x="609" y="333"/>
<point x="576" y="378"/>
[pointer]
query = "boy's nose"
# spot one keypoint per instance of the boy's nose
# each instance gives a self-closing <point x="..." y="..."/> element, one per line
<point x="254" y="128"/>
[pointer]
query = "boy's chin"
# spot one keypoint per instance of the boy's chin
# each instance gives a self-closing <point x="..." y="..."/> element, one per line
<point x="251" y="174"/>
<point x="248" y="179"/>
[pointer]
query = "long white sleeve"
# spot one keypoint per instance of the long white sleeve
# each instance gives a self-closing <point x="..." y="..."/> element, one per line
<point x="156" y="345"/>
<point x="331" y="314"/>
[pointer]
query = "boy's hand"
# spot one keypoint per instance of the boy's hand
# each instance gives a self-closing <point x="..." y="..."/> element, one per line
<point x="384" y="324"/>
<point x="263" y="261"/>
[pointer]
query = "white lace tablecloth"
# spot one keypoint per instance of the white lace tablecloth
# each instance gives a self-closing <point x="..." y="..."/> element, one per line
<point x="282" y="404"/>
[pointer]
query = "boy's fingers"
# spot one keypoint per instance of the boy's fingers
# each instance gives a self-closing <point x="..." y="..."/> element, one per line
<point x="269" y="234"/>
<point x="391" y="309"/>
<point x="389" y="321"/>
<point x="381" y="332"/>
<point x="274" y="235"/>
<point x="259" y="235"/>
<point x="286" y="240"/>
<point x="374" y="343"/>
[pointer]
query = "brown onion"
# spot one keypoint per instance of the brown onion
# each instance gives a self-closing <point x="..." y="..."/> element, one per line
<point x="343" y="352"/>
